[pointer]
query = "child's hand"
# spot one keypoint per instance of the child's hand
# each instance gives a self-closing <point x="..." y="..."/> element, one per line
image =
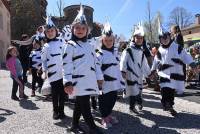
<point x="124" y="75"/>
<point x="29" y="71"/>
<point x="152" y="75"/>
<point x="195" y="70"/>
<point x="100" y="83"/>
<point x="44" y="75"/>
<point x="39" y="72"/>
<point x="69" y="89"/>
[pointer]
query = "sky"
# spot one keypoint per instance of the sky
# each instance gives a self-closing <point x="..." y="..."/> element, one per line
<point x="123" y="14"/>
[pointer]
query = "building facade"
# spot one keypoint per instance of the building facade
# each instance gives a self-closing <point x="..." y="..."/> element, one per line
<point x="191" y="34"/>
<point x="70" y="12"/>
<point x="5" y="31"/>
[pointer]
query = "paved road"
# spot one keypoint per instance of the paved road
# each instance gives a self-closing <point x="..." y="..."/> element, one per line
<point x="34" y="116"/>
<point x="192" y="94"/>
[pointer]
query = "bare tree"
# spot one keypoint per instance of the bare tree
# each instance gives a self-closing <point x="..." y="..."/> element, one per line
<point x="151" y="30"/>
<point x="60" y="6"/>
<point x="180" y="16"/>
<point x="149" y="22"/>
<point x="151" y="25"/>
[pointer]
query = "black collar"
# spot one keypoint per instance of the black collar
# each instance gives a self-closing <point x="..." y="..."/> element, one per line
<point x="49" y="40"/>
<point x="108" y="49"/>
<point x="167" y="46"/>
<point x="75" y="38"/>
<point x="133" y="45"/>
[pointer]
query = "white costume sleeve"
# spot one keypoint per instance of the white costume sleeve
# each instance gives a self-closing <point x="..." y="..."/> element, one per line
<point x="44" y="58"/>
<point x="155" y="64"/>
<point x="123" y="61"/>
<point x="67" y="64"/>
<point x="186" y="57"/>
<point x="27" y="42"/>
<point x="145" y="67"/>
<point x="98" y="62"/>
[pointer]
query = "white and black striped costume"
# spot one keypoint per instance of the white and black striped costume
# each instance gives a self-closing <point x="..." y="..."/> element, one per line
<point x="109" y="62"/>
<point x="35" y="59"/>
<point x="81" y="68"/>
<point x="134" y="64"/>
<point x="52" y="59"/>
<point x="169" y="64"/>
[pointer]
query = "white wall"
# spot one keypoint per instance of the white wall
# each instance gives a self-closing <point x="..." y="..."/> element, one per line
<point x="5" y="31"/>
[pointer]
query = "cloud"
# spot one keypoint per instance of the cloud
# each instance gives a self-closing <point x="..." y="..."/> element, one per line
<point x="122" y="9"/>
<point x="169" y="2"/>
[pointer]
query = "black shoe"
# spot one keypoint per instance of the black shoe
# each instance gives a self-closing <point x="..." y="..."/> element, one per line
<point x="33" y="93"/>
<point x="95" y="131"/>
<point x="71" y="101"/>
<point x="15" y="98"/>
<point x="62" y="115"/>
<point x="140" y="107"/>
<point x="39" y="90"/>
<point x="134" y="110"/>
<point x="56" y="115"/>
<point x="76" y="130"/>
<point x="23" y="96"/>
<point x="173" y="112"/>
<point x="167" y="107"/>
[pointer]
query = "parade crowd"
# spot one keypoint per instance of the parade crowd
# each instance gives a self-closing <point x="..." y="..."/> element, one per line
<point x="93" y="70"/>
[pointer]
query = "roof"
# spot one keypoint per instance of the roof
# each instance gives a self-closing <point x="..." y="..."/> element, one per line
<point x="78" y="6"/>
<point x="191" y="27"/>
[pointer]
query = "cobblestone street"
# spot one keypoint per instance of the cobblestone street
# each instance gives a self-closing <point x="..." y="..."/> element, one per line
<point x="34" y="116"/>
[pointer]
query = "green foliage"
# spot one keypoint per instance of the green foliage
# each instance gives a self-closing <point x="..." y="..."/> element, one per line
<point x="25" y="17"/>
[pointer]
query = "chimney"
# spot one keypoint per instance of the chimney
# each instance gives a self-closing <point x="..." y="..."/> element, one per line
<point x="197" y="16"/>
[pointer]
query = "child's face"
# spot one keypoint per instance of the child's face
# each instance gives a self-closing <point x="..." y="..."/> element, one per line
<point x="138" y="40"/>
<point x="108" y="41"/>
<point x="36" y="46"/>
<point x="165" y="41"/>
<point x="173" y="31"/>
<point x="51" y="33"/>
<point x="80" y="30"/>
<point x="14" y="52"/>
<point x="40" y="30"/>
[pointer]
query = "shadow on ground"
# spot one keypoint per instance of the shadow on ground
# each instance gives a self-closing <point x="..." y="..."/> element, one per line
<point x="4" y="113"/>
<point x="131" y="124"/>
<point x="28" y="104"/>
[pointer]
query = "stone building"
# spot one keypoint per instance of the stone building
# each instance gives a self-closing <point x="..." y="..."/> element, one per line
<point x="26" y="16"/>
<point x="70" y="13"/>
<point x="191" y="34"/>
<point x="4" y="30"/>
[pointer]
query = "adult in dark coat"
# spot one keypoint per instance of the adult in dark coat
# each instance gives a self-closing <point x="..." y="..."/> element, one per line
<point x="176" y="35"/>
<point x="24" y="52"/>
